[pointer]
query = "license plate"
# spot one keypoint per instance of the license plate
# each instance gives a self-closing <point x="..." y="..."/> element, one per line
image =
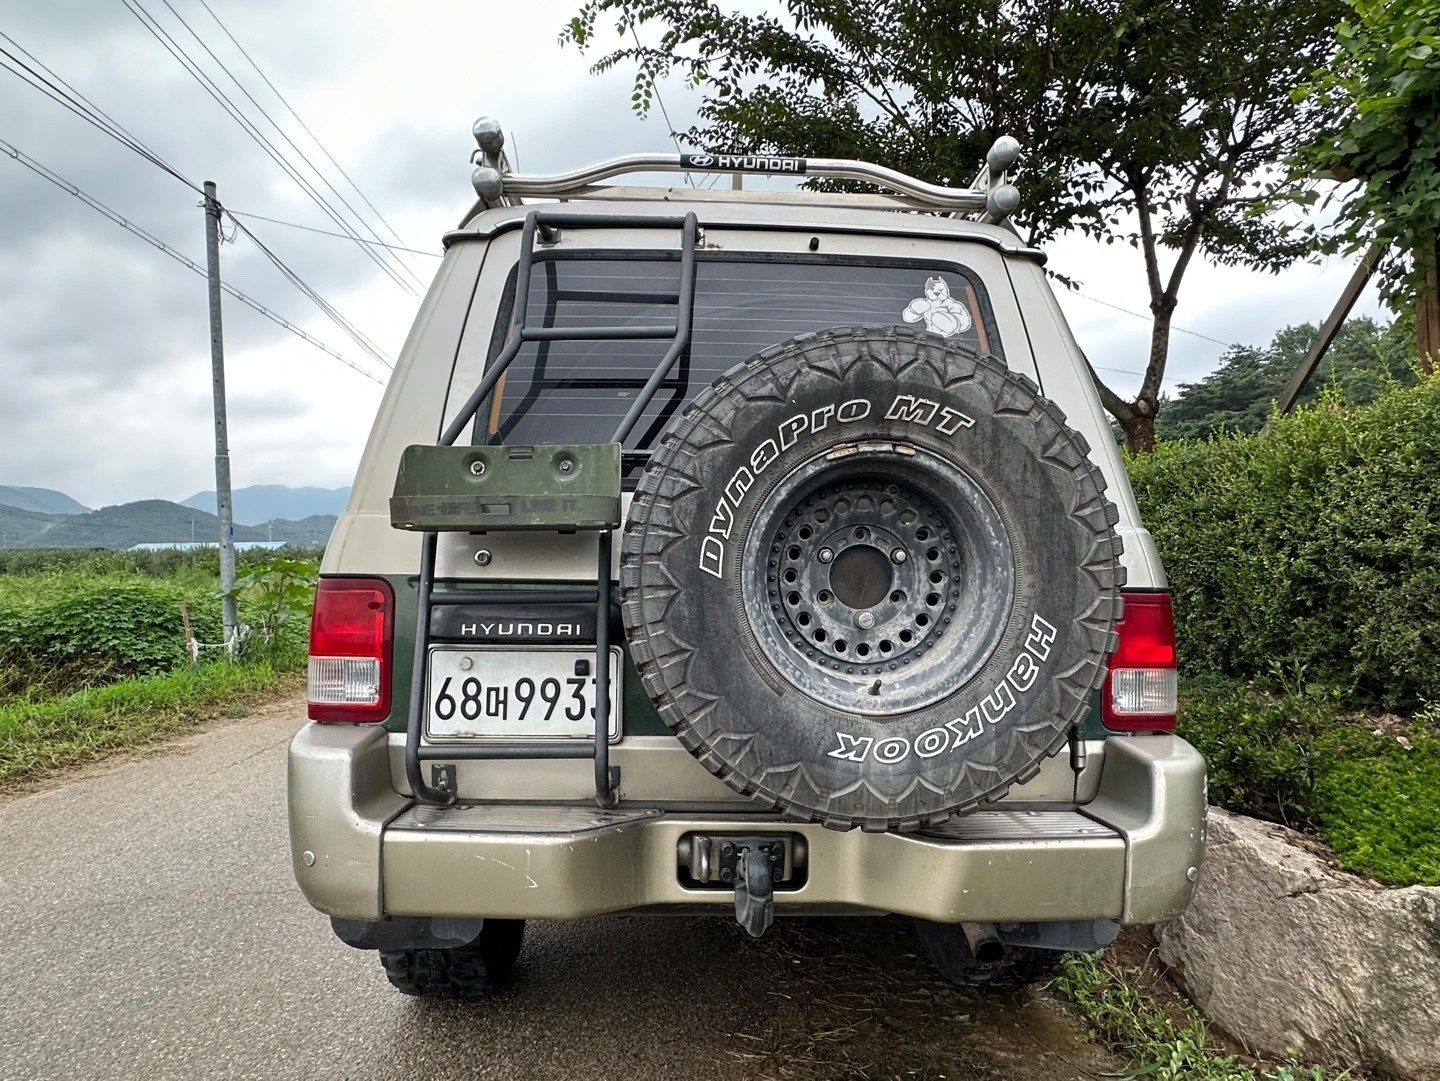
<point x="517" y="694"/>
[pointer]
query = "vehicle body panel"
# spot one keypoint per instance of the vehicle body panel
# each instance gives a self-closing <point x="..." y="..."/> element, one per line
<point x="362" y="848"/>
<point x="1136" y="864"/>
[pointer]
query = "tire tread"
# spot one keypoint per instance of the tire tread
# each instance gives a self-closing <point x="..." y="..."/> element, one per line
<point x="664" y="671"/>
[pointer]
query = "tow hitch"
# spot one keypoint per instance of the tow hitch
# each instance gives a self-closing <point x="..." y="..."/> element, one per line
<point x="753" y="865"/>
<point x="755" y="891"/>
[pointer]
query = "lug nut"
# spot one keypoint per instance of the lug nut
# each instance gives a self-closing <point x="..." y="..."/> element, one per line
<point x="865" y="620"/>
<point x="826" y="555"/>
<point x="898" y="555"/>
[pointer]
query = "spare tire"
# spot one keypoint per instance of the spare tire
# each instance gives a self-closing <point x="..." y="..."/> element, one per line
<point x="870" y="576"/>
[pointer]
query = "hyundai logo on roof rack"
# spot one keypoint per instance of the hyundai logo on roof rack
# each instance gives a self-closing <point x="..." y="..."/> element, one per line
<point x="744" y="163"/>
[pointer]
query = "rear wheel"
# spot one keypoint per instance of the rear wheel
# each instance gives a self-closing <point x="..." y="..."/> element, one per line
<point x="470" y="971"/>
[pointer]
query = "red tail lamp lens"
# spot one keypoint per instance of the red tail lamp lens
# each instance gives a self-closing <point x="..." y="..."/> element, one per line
<point x="1140" y="690"/>
<point x="351" y="636"/>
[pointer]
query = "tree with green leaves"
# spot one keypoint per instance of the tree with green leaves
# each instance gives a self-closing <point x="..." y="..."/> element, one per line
<point x="1159" y="123"/>
<point x="1384" y="91"/>
<point x="1365" y="360"/>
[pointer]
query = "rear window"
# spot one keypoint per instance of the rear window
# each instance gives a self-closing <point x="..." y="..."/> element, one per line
<point x="577" y="391"/>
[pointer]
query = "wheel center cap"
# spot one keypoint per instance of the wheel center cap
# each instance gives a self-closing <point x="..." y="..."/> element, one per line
<point x="860" y="576"/>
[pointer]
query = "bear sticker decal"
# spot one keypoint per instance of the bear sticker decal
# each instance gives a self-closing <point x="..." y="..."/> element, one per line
<point x="942" y="313"/>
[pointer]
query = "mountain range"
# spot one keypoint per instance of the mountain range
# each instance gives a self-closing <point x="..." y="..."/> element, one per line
<point x="40" y="500"/>
<point x="268" y="502"/>
<point x="45" y="518"/>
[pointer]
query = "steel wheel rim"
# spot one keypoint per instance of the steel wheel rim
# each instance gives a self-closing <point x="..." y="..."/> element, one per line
<point x="881" y="581"/>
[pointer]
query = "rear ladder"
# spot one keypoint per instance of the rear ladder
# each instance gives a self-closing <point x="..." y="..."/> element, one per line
<point x="445" y="488"/>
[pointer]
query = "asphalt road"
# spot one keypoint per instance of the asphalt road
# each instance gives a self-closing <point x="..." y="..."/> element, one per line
<point x="150" y="928"/>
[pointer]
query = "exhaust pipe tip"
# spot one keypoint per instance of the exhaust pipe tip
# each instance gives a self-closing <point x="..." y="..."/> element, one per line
<point x="984" y="942"/>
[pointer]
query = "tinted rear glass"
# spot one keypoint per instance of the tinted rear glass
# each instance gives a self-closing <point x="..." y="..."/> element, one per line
<point x="576" y="392"/>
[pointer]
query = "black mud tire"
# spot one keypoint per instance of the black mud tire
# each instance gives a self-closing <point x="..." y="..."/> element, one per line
<point x="472" y="971"/>
<point x="948" y="951"/>
<point x="988" y="462"/>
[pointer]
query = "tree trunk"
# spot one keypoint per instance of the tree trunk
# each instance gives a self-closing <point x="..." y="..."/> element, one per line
<point x="1139" y="431"/>
<point x="1140" y="425"/>
<point x="1427" y="316"/>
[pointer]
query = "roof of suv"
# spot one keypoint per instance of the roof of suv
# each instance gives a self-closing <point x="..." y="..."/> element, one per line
<point x="834" y="212"/>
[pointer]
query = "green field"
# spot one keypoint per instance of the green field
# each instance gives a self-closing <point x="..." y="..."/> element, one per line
<point x="94" y="657"/>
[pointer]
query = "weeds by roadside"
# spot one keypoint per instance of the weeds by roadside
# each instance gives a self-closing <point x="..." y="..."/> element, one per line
<point x="93" y="650"/>
<point x="36" y="736"/>
<point x="1166" y="1042"/>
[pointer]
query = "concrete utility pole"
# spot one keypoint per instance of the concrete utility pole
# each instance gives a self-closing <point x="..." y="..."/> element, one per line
<point x="222" y="446"/>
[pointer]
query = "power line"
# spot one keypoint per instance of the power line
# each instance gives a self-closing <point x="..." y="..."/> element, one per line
<point x="210" y="87"/>
<point x="1149" y="319"/>
<point x="332" y="312"/>
<point x="339" y="168"/>
<point x="159" y="33"/>
<point x="1129" y="371"/>
<point x="95" y="204"/>
<point x="63" y="94"/>
<point x="281" y="132"/>
<point x="329" y="232"/>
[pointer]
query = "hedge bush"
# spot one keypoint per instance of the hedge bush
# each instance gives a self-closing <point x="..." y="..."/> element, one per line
<point x="1310" y="552"/>
<point x="1368" y="785"/>
<point x="59" y="633"/>
<point x="70" y="620"/>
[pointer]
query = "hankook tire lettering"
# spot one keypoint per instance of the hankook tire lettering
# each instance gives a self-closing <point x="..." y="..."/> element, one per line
<point x="993" y="708"/>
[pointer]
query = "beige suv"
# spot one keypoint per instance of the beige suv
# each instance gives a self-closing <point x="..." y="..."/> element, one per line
<point x="761" y="551"/>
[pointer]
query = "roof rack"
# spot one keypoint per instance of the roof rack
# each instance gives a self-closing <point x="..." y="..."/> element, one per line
<point x="991" y="198"/>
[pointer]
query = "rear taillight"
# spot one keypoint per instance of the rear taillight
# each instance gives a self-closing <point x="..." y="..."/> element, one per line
<point x="351" y="634"/>
<point x="1139" y="691"/>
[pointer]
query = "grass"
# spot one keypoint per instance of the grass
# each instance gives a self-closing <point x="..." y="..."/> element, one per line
<point x="39" y="736"/>
<point x="1368" y="785"/>
<point x="93" y="648"/>
<point x="1165" y="1041"/>
<point x="1380" y="811"/>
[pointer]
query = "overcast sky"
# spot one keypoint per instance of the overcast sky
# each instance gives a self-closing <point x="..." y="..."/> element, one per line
<point x="104" y="344"/>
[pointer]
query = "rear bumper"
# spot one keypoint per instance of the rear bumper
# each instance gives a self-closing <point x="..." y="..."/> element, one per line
<point x="362" y="851"/>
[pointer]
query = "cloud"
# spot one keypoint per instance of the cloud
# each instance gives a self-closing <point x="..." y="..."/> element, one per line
<point x="1218" y="306"/>
<point x="104" y="346"/>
